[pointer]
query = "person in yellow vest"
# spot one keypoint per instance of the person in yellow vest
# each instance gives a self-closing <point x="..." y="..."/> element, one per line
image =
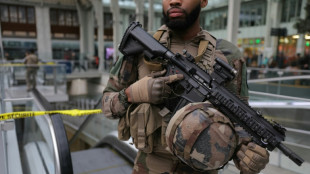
<point x="31" y="61"/>
<point x="137" y="89"/>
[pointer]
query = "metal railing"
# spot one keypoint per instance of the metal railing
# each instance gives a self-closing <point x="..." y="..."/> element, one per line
<point x="282" y="103"/>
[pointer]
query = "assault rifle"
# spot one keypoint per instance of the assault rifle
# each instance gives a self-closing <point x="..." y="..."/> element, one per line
<point x="199" y="86"/>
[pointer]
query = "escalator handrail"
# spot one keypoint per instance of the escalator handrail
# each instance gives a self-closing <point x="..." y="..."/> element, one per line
<point x="279" y="96"/>
<point x="64" y="155"/>
<point x="276" y="79"/>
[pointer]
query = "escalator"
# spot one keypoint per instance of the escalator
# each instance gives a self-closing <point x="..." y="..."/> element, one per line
<point x="108" y="156"/>
<point x="41" y="147"/>
<point x="57" y="131"/>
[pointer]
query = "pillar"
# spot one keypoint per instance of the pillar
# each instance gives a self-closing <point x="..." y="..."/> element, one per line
<point x="86" y="20"/>
<point x="233" y="20"/>
<point x="273" y="21"/>
<point x="150" y="25"/>
<point x="116" y="28"/>
<point x="44" y="43"/>
<point x="301" y="40"/>
<point x="1" y="45"/>
<point x="140" y="11"/>
<point x="125" y="22"/>
<point x="98" y="7"/>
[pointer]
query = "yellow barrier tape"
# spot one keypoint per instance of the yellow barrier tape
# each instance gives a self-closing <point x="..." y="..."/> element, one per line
<point x="22" y="64"/>
<point x="26" y="114"/>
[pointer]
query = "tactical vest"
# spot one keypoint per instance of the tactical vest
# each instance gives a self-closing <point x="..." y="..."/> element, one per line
<point x="143" y="120"/>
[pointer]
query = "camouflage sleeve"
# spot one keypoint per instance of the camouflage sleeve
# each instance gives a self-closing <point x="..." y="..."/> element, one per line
<point x="122" y="74"/>
<point x="239" y="84"/>
<point x="233" y="55"/>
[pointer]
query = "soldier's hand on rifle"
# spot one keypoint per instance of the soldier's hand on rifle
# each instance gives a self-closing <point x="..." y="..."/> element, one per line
<point x="151" y="89"/>
<point x="251" y="158"/>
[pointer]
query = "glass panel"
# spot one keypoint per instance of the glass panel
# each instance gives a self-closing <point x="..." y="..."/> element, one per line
<point x="107" y="20"/>
<point x="299" y="8"/>
<point x="61" y="18"/>
<point x="30" y="147"/>
<point x="253" y="17"/>
<point x="292" y="10"/>
<point x="215" y="20"/>
<point x="36" y="144"/>
<point x="247" y="18"/>
<point x="252" y="13"/>
<point x="30" y="15"/>
<point x="225" y="19"/>
<point x="22" y="15"/>
<point x="68" y="18"/>
<point x="284" y="11"/>
<point x="259" y="17"/>
<point x="53" y="16"/>
<point x="13" y="14"/>
<point x="4" y="12"/>
<point x="75" y="21"/>
<point x="241" y="17"/>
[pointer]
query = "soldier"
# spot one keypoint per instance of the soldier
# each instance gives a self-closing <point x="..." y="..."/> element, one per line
<point x="31" y="61"/>
<point x="137" y="89"/>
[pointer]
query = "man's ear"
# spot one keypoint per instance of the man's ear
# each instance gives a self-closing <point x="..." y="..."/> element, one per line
<point x="204" y="3"/>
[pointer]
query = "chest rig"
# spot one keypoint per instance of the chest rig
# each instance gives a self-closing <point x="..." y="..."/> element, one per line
<point x="145" y="122"/>
<point x="205" y="54"/>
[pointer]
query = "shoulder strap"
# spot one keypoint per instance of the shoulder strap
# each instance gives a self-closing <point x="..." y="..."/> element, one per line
<point x="151" y="65"/>
<point x="203" y="45"/>
<point x="158" y="34"/>
<point x="209" y="42"/>
<point x="206" y="52"/>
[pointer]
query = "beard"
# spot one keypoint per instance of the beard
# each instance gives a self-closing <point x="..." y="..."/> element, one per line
<point x="184" y="23"/>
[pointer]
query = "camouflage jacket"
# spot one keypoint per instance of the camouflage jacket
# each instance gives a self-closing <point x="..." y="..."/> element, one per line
<point x="125" y="71"/>
<point x="153" y="155"/>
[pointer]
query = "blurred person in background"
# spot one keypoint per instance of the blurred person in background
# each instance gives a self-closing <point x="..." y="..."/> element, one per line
<point x="31" y="61"/>
<point x="76" y="63"/>
<point x="280" y="60"/>
<point x="304" y="64"/>
<point x="7" y="57"/>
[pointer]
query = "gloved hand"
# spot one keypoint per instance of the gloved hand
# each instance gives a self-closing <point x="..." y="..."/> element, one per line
<point x="151" y="89"/>
<point x="251" y="158"/>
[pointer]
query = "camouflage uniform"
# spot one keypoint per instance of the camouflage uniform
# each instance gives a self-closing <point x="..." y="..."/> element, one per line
<point x="148" y="132"/>
<point x="31" y="60"/>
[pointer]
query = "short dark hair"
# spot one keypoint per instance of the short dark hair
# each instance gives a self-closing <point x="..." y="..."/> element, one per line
<point x="31" y="50"/>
